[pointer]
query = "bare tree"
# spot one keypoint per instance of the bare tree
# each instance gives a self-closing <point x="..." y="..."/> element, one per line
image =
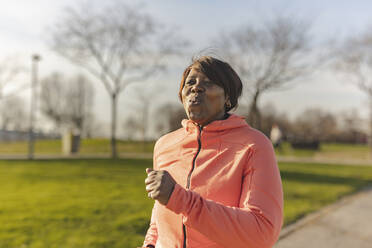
<point x="145" y="101"/>
<point x="145" y="98"/>
<point x="352" y="128"/>
<point x="53" y="98"/>
<point x="272" y="116"/>
<point x="314" y="124"/>
<point x="169" y="117"/>
<point x="131" y="127"/>
<point x="268" y="58"/>
<point x="140" y="122"/>
<point x="67" y="101"/>
<point x="80" y="101"/>
<point x="13" y="113"/>
<point x="92" y="127"/>
<point x="117" y="43"/>
<point x="10" y="69"/>
<point x="355" y="61"/>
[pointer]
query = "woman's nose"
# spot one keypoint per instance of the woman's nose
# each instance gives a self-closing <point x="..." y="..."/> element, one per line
<point x="197" y="87"/>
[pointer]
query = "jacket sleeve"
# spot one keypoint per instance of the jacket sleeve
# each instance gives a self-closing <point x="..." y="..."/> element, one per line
<point x="152" y="233"/>
<point x="256" y="222"/>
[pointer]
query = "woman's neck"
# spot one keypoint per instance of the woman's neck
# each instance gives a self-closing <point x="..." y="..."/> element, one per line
<point x="223" y="117"/>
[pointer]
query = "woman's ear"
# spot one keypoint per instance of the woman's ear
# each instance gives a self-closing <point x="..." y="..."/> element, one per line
<point x="228" y="103"/>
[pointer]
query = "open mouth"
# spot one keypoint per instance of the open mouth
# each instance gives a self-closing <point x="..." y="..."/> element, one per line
<point x="195" y="100"/>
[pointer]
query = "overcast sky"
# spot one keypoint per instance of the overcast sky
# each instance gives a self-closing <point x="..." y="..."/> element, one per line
<point x="23" y="24"/>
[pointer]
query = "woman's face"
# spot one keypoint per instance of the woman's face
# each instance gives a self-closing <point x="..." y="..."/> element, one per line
<point x="203" y="100"/>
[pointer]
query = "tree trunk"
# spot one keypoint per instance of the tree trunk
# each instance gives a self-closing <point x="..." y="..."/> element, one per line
<point x="113" y="125"/>
<point x="144" y="125"/>
<point x="370" y="126"/>
<point x="254" y="115"/>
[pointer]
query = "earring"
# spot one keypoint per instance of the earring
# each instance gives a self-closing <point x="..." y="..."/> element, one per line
<point x="228" y="104"/>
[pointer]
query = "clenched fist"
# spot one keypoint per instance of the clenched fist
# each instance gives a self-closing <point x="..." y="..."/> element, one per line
<point x="159" y="185"/>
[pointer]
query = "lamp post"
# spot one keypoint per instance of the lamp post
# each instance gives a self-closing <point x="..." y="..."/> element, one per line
<point x="35" y="59"/>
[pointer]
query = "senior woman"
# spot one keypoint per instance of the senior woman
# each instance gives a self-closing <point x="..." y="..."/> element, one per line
<point x="215" y="181"/>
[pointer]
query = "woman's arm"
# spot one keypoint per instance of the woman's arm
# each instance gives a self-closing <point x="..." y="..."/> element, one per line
<point x="152" y="233"/>
<point x="257" y="221"/>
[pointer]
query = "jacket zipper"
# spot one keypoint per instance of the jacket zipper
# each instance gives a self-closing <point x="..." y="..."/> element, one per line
<point x="189" y="179"/>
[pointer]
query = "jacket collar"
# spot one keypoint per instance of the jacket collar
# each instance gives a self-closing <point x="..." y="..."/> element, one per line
<point x="233" y="121"/>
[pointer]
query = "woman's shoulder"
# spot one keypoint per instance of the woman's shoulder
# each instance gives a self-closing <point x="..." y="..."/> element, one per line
<point x="248" y="136"/>
<point x="170" y="139"/>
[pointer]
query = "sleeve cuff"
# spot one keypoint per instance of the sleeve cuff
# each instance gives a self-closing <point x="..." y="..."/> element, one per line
<point x="176" y="202"/>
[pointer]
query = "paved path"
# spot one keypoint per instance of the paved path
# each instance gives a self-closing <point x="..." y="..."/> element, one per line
<point x="345" y="224"/>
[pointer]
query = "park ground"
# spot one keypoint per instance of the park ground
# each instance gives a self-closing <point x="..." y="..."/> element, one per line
<point x="101" y="147"/>
<point x="103" y="203"/>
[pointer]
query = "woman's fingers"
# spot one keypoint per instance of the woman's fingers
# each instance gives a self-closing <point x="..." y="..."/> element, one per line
<point x="150" y="176"/>
<point x="151" y="187"/>
<point x="149" y="180"/>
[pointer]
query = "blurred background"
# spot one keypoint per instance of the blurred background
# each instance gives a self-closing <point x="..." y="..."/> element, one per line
<point x="93" y="80"/>
<point x="304" y="66"/>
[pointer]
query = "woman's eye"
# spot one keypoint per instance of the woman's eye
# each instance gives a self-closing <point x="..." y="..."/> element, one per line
<point x="190" y="82"/>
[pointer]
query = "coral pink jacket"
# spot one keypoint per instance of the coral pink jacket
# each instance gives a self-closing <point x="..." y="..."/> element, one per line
<point x="228" y="191"/>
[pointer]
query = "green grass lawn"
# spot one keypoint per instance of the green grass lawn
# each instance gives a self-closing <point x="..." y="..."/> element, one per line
<point x="88" y="147"/>
<point x="102" y="203"/>
<point x="82" y="203"/>
<point x="328" y="151"/>
<point x="102" y="147"/>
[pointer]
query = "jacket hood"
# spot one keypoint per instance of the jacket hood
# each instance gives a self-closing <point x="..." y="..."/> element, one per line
<point x="233" y="121"/>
